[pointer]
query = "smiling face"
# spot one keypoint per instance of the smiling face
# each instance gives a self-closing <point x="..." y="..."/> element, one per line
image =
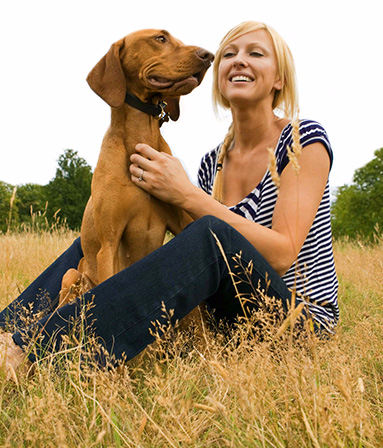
<point x="248" y="70"/>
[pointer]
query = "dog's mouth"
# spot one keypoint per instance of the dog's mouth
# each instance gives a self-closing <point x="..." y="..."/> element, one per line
<point x="160" y="82"/>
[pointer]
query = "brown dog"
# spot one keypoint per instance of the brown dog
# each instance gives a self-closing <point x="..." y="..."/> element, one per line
<point x="142" y="78"/>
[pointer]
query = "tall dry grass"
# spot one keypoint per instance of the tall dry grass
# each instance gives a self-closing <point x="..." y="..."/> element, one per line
<point x="236" y="391"/>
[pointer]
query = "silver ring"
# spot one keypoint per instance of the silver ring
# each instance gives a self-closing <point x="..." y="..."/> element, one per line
<point x="141" y="176"/>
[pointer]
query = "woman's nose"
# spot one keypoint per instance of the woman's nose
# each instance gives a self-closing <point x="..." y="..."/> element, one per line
<point x="239" y="60"/>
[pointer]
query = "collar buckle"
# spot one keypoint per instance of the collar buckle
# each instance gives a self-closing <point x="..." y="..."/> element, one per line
<point x="163" y="116"/>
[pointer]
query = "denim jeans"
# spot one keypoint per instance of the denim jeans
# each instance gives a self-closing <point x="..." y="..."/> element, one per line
<point x="181" y="274"/>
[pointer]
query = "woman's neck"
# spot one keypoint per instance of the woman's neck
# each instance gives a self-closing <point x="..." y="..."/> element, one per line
<point x="254" y="129"/>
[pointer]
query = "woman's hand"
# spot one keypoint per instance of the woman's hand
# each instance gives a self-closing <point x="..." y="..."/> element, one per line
<point x="160" y="174"/>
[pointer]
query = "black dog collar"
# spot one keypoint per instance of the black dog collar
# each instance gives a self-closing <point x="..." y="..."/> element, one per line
<point x="157" y="111"/>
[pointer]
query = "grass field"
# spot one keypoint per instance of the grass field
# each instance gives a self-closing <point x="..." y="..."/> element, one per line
<point x="239" y="392"/>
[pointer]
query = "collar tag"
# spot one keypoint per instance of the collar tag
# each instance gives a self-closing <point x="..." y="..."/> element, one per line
<point x="163" y="117"/>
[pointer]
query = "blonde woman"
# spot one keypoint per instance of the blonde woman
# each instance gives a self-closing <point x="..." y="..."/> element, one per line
<point x="274" y="211"/>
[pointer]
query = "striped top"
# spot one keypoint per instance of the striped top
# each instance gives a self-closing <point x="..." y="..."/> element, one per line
<point x="314" y="274"/>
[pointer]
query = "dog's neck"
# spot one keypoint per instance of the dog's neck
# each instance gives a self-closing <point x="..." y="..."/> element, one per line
<point x="133" y="126"/>
<point x="155" y="110"/>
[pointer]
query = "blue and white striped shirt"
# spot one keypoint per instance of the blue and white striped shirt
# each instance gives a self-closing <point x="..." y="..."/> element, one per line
<point x="314" y="276"/>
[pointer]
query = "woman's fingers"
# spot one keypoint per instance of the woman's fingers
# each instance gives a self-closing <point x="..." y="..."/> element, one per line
<point x="146" y="151"/>
<point x="160" y="174"/>
<point x="137" y="173"/>
<point x="140" y="162"/>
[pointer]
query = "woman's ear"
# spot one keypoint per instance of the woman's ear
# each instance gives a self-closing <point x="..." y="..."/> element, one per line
<point x="278" y="84"/>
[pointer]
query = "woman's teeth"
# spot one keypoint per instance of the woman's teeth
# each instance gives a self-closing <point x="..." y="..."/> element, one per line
<point x="241" y="79"/>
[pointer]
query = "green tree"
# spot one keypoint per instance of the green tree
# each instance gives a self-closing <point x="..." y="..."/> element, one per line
<point x="31" y="200"/>
<point x="8" y="206"/>
<point x="358" y="208"/>
<point x="70" y="189"/>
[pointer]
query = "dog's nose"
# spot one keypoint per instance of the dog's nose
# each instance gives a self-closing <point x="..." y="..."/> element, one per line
<point x="205" y="55"/>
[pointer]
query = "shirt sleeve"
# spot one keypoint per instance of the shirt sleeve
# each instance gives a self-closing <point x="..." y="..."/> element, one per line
<point x="207" y="170"/>
<point x="310" y="132"/>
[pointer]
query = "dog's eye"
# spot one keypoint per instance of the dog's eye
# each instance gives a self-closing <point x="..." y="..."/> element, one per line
<point x="161" y="39"/>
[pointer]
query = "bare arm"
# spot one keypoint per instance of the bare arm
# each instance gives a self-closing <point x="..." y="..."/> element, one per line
<point x="295" y="209"/>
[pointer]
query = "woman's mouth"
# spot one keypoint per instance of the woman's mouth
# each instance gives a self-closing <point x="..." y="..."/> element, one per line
<point x="241" y="78"/>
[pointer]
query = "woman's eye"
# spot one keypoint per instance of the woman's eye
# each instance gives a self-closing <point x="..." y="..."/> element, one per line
<point x="161" y="39"/>
<point x="256" y="54"/>
<point x="228" y="54"/>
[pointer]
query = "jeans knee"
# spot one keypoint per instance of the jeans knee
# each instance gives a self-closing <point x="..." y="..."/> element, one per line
<point x="214" y="225"/>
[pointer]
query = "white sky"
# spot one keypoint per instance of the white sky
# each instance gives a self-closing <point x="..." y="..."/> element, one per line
<point x="49" y="46"/>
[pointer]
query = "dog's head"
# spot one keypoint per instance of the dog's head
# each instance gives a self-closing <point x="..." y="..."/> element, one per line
<point x="150" y="64"/>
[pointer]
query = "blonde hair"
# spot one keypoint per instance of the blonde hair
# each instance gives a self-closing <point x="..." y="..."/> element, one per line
<point x="285" y="100"/>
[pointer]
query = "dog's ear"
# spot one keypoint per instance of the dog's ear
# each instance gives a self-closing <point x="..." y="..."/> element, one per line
<point x="173" y="108"/>
<point x="107" y="77"/>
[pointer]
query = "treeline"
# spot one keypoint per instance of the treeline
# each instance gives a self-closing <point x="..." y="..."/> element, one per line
<point x="62" y="200"/>
<point x="357" y="211"/>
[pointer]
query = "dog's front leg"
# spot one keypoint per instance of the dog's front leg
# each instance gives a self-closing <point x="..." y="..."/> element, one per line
<point x="109" y="224"/>
<point x="107" y="260"/>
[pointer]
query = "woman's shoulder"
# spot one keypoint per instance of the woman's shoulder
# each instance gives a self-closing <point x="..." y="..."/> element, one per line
<point x="207" y="168"/>
<point x="307" y="127"/>
<point x="212" y="153"/>
<point x="310" y="131"/>
<point x="209" y="160"/>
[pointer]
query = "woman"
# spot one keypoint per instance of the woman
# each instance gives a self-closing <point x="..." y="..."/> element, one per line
<point x="284" y="231"/>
